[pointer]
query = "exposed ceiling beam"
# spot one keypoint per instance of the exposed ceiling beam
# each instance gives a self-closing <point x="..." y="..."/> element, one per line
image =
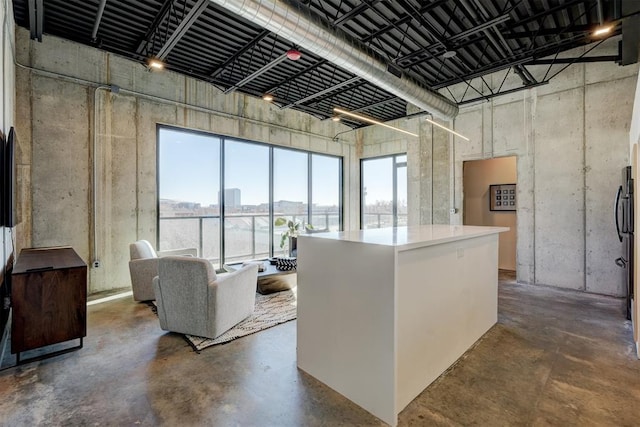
<point x="36" y="19"/>
<point x="296" y="75"/>
<point x="311" y="32"/>
<point x="402" y="20"/>
<point x="428" y="26"/>
<point x="256" y="73"/>
<point x="182" y="28"/>
<point x="165" y="10"/>
<point x="504" y="92"/>
<point x="551" y="11"/>
<point x="543" y="32"/>
<point x="435" y="49"/>
<point x="514" y="60"/>
<point x="322" y="92"/>
<point x="485" y="25"/>
<point x="355" y="11"/>
<point x="377" y="104"/>
<point x="605" y="58"/>
<point x="257" y="39"/>
<point x="96" y="23"/>
<point x="39" y="19"/>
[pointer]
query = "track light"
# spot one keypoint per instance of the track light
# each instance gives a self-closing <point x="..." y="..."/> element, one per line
<point x="371" y="120"/>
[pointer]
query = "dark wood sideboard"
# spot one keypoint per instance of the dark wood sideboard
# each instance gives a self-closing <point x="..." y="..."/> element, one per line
<point x="49" y="300"/>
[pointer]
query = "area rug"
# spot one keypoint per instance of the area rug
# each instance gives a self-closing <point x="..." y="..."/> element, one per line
<point x="271" y="310"/>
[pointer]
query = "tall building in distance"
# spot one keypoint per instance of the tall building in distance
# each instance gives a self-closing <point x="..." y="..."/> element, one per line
<point x="232" y="198"/>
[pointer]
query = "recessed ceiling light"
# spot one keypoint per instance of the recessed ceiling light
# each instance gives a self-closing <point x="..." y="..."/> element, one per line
<point x="155" y="64"/>
<point x="449" y="54"/>
<point x="267" y="97"/>
<point x="335" y="118"/>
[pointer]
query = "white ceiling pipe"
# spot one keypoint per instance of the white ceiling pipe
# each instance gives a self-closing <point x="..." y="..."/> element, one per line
<point x="296" y="24"/>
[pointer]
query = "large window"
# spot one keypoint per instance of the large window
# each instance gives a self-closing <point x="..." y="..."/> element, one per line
<point x="208" y="183"/>
<point x="326" y="194"/>
<point x="188" y="185"/>
<point x="384" y="192"/>
<point x="246" y="200"/>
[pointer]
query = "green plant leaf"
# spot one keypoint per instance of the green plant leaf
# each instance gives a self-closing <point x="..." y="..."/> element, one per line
<point x="280" y="222"/>
<point x="283" y="238"/>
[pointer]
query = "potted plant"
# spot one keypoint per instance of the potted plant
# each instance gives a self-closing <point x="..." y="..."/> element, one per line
<point x="290" y="235"/>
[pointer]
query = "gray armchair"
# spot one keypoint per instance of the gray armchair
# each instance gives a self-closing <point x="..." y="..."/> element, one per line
<point x="192" y="300"/>
<point x="143" y="267"/>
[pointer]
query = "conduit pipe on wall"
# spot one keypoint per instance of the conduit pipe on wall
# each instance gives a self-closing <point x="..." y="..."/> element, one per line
<point x="295" y="22"/>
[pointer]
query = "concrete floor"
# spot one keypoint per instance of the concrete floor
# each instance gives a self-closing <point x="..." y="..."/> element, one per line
<point x="555" y="358"/>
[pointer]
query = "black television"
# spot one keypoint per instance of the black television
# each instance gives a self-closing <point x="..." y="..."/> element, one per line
<point x="10" y="206"/>
<point x="3" y="143"/>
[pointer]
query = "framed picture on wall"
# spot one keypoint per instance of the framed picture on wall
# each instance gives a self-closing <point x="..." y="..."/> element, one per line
<point x="498" y="193"/>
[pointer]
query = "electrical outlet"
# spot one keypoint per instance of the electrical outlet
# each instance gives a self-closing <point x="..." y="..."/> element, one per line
<point x="453" y="210"/>
<point x="96" y="264"/>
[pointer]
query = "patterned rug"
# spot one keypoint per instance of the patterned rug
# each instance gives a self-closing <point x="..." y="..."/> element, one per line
<point x="271" y="310"/>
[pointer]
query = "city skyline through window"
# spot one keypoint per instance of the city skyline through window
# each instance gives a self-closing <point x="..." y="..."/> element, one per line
<point x="261" y="182"/>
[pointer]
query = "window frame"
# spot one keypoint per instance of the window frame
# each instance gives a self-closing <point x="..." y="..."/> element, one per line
<point x="394" y="177"/>
<point x="271" y="147"/>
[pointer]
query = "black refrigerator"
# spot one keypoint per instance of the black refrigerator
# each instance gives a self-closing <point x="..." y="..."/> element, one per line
<point x="623" y="211"/>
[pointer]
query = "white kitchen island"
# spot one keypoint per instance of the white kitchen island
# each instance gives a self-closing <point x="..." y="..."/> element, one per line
<point x="383" y="312"/>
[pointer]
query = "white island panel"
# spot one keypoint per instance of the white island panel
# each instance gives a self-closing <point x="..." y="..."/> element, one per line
<point x="382" y="313"/>
<point x="447" y="298"/>
<point x="345" y="334"/>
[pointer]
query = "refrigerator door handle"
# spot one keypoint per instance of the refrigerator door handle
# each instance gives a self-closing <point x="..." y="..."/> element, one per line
<point x="615" y="211"/>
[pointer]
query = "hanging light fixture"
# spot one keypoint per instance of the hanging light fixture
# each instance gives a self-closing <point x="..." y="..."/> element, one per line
<point x="447" y="129"/>
<point x="371" y="120"/>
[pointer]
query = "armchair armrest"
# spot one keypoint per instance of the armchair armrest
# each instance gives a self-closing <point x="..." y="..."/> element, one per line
<point x="192" y="252"/>
<point x="232" y="297"/>
<point x="228" y="282"/>
<point x="145" y="264"/>
<point x="143" y="271"/>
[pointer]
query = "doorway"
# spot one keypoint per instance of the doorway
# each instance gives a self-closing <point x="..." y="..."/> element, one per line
<point x="479" y="209"/>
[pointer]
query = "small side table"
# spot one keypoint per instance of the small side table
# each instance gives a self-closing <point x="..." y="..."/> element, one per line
<point x="49" y="300"/>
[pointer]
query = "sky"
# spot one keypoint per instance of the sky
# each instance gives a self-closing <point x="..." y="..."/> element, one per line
<point x="189" y="168"/>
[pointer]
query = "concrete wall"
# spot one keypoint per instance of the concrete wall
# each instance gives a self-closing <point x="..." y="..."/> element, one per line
<point x="570" y="138"/>
<point x="7" y="109"/>
<point x="571" y="141"/>
<point x="428" y="165"/>
<point x="477" y="177"/>
<point x="63" y="107"/>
